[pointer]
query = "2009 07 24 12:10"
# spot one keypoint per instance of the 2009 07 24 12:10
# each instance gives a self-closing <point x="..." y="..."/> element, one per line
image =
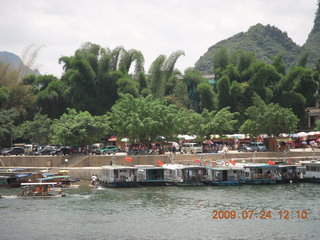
<point x="263" y="214"/>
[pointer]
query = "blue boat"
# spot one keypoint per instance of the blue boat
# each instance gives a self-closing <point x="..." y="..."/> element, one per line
<point x="288" y="174"/>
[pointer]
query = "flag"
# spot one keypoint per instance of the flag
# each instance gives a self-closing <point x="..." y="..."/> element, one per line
<point x="289" y="161"/>
<point x="128" y="159"/>
<point x="271" y="162"/>
<point x="197" y="160"/>
<point x="160" y="163"/>
<point x="232" y="162"/>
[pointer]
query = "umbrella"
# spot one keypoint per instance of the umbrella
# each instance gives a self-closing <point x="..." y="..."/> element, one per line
<point x="302" y="134"/>
<point x="318" y="140"/>
<point x="187" y="137"/>
<point x="242" y="136"/>
<point x="125" y="140"/>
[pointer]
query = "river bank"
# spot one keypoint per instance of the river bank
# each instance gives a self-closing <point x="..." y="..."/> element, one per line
<point x="164" y="213"/>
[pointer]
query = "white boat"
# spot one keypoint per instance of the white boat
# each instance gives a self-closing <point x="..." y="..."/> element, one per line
<point x="149" y="175"/>
<point x="119" y="176"/>
<point x="311" y="171"/>
<point x="191" y="175"/>
<point x="226" y="175"/>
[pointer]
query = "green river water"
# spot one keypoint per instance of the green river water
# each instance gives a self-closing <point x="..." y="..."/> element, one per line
<point x="164" y="213"/>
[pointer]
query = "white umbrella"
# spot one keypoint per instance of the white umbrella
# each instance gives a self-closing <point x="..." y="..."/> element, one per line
<point x="302" y="134"/>
<point x="125" y="140"/>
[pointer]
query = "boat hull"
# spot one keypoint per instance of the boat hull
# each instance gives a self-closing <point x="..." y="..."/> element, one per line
<point x="310" y="180"/>
<point x="260" y="181"/>
<point x="156" y="183"/>
<point x="227" y="183"/>
<point x="120" y="184"/>
<point x="190" y="184"/>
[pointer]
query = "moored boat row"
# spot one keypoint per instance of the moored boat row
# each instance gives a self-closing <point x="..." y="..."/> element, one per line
<point x="197" y="175"/>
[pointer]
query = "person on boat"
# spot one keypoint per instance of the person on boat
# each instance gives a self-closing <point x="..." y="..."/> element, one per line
<point x="94" y="180"/>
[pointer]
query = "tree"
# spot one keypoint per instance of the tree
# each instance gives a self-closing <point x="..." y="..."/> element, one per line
<point x="127" y="85"/>
<point x="317" y="126"/>
<point x="92" y="73"/>
<point x="268" y="118"/>
<point x="236" y="95"/>
<point x="36" y="131"/>
<point x="161" y="74"/>
<point x="142" y="118"/>
<point x="221" y="61"/>
<point x="192" y="78"/>
<point x="7" y="125"/>
<point x="303" y="59"/>
<point x="52" y="100"/>
<point x="224" y="92"/>
<point x="279" y="64"/>
<point x="216" y="122"/>
<point x="207" y="96"/>
<point x="79" y="128"/>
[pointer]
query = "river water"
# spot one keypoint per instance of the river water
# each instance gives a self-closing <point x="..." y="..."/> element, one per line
<point x="164" y="213"/>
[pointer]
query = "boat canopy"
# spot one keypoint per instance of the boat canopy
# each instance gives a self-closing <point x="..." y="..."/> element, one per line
<point x="52" y="177"/>
<point x="260" y="166"/>
<point x="31" y="184"/>
<point x="227" y="168"/>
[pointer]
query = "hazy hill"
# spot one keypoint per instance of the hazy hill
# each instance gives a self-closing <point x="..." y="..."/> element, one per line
<point x="312" y="44"/>
<point x="14" y="62"/>
<point x="265" y="41"/>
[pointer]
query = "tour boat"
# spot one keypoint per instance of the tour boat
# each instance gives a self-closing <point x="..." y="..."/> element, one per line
<point x="226" y="176"/>
<point x="149" y="175"/>
<point x="63" y="181"/>
<point x="119" y="176"/>
<point x="191" y="175"/>
<point x="312" y="171"/>
<point x="13" y="180"/>
<point x="40" y="190"/>
<point x="288" y="174"/>
<point x="256" y="173"/>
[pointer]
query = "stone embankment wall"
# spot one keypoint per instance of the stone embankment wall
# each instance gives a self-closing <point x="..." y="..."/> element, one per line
<point x="83" y="166"/>
<point x="98" y="161"/>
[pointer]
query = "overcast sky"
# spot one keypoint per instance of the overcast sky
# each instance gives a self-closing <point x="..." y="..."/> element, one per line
<point x="152" y="26"/>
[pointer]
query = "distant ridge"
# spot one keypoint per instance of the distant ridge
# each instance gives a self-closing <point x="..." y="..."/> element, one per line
<point x="14" y="63"/>
<point x="312" y="44"/>
<point x="266" y="42"/>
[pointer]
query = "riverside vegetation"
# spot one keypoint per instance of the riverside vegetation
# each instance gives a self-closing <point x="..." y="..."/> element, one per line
<point x="108" y="92"/>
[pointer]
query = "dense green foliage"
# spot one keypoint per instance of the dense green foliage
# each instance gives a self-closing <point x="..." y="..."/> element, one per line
<point x="268" y="118"/>
<point x="264" y="89"/>
<point x="79" y="128"/>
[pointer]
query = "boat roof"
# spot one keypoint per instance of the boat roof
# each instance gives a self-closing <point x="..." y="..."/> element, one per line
<point x="118" y="167"/>
<point x="291" y="165"/>
<point x="172" y="166"/>
<point x="310" y="162"/>
<point x="192" y="167"/>
<point x="228" y="168"/>
<point x="32" y="183"/>
<point x="258" y="165"/>
<point x="144" y="166"/>
<point x="52" y="177"/>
